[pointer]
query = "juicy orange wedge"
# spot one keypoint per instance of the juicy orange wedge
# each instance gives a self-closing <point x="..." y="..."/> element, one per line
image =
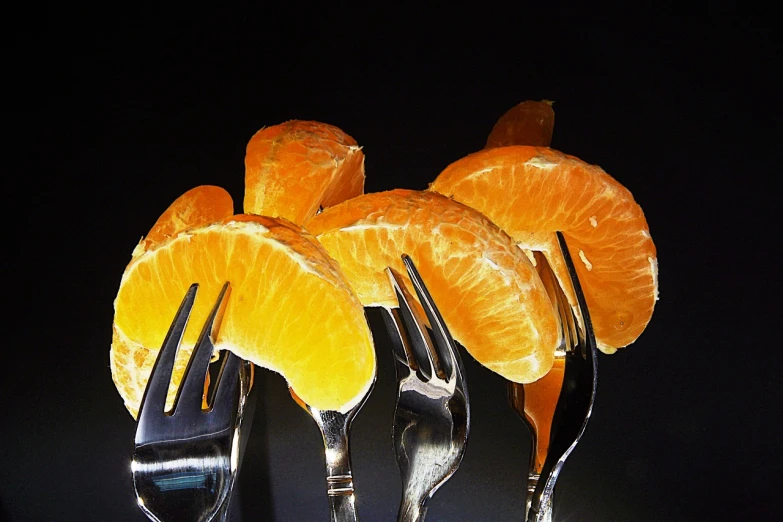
<point x="295" y="168"/>
<point x="531" y="192"/>
<point x="527" y="123"/>
<point x="485" y="287"/>
<point x="290" y="309"/>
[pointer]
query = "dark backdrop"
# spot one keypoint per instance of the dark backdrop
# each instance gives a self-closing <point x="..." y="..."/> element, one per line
<point x="114" y="114"/>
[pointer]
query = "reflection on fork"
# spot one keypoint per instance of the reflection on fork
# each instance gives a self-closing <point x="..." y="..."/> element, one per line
<point x="557" y="407"/>
<point x="432" y="417"/>
<point x="185" y="462"/>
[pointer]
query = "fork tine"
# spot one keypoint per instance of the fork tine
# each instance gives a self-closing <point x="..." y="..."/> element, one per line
<point x="559" y="301"/>
<point x="154" y="399"/>
<point x="421" y="346"/>
<point x="400" y="343"/>
<point x="191" y="390"/>
<point x="224" y="393"/>
<point x="588" y="335"/>
<point x="446" y="350"/>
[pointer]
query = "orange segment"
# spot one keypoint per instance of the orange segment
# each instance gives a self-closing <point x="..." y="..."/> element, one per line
<point x="290" y="309"/>
<point x="531" y="192"/>
<point x="296" y="167"/>
<point x="199" y="206"/>
<point x="487" y="290"/>
<point x="528" y="123"/>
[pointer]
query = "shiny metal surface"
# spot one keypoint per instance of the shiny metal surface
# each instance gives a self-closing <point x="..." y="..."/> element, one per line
<point x="576" y="395"/>
<point x="185" y="461"/>
<point x="335" y="428"/>
<point x="432" y="417"/>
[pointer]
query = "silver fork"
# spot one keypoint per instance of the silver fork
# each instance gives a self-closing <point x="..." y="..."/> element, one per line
<point x="335" y="428"/>
<point x="185" y="461"/>
<point x="432" y="417"/>
<point x="576" y="367"/>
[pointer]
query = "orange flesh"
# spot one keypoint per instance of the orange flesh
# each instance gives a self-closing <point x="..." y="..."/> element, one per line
<point x="198" y="206"/>
<point x="490" y="295"/>
<point x="289" y="310"/>
<point x="296" y="167"/>
<point x="531" y="192"/>
<point x="529" y="123"/>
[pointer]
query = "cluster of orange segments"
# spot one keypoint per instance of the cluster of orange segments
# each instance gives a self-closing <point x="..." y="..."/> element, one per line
<point x="310" y="252"/>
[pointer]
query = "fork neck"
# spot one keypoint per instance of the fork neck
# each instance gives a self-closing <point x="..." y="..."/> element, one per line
<point x="339" y="479"/>
<point x="334" y="428"/>
<point x="411" y="511"/>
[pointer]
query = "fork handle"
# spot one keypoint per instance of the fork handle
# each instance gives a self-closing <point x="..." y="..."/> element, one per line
<point x="339" y="478"/>
<point x="342" y="501"/>
<point x="544" y="514"/>
<point x="545" y="511"/>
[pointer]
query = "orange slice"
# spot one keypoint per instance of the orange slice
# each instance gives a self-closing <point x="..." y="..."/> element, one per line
<point x="528" y="123"/>
<point x="290" y="308"/>
<point x="531" y="192"/>
<point x="293" y="169"/>
<point x="199" y="206"/>
<point x="485" y="287"/>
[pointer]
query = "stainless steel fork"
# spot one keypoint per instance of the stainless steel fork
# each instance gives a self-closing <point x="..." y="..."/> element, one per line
<point x="557" y="408"/>
<point x="432" y="417"/>
<point x="185" y="461"/>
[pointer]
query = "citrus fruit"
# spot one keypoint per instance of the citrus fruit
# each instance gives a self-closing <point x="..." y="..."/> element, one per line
<point x="201" y="205"/>
<point x="527" y="123"/>
<point x="289" y="309"/>
<point x="531" y="192"/>
<point x="297" y="167"/>
<point x="487" y="290"/>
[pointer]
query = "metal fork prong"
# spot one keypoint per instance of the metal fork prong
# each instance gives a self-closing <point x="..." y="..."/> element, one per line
<point x="398" y="338"/>
<point x="191" y="390"/>
<point x="422" y="351"/>
<point x="557" y="296"/>
<point x="559" y="302"/>
<point x="154" y="400"/>
<point x="224" y="393"/>
<point x="588" y="334"/>
<point x="446" y="350"/>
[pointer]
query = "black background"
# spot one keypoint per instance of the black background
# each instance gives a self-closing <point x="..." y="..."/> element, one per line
<point x="113" y="114"/>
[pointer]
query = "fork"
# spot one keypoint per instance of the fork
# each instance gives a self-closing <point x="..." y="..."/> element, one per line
<point x="335" y="429"/>
<point x="432" y="416"/>
<point x="557" y="407"/>
<point x="185" y="461"/>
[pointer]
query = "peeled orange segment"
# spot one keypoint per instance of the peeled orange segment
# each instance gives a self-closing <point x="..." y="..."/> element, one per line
<point x="293" y="169"/>
<point x="201" y="205"/>
<point x="531" y="192"/>
<point x="290" y="309"/>
<point x="528" y="123"/>
<point x="485" y="287"/>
